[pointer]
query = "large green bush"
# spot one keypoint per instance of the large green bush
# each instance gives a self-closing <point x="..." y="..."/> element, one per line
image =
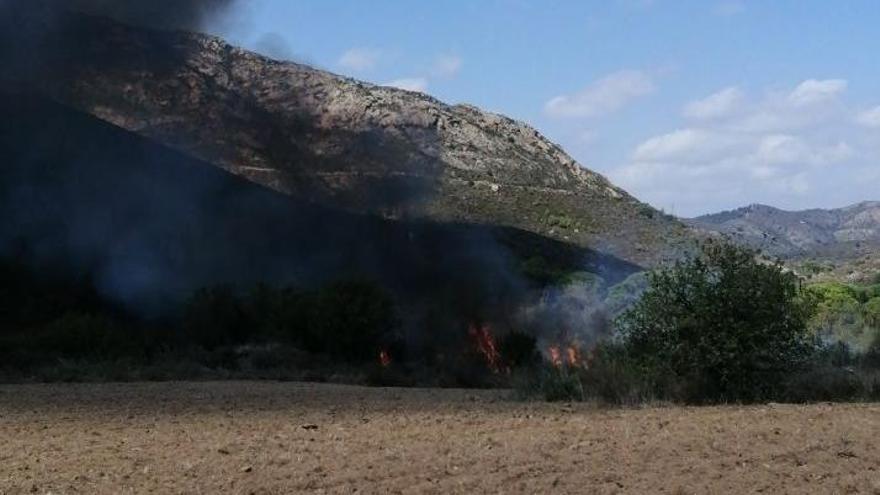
<point x="730" y="325"/>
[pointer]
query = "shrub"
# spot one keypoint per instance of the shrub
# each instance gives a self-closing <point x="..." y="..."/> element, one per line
<point x="278" y="314"/>
<point x="561" y="221"/>
<point x="814" y="268"/>
<point x="560" y="384"/>
<point x="731" y="325"/>
<point x="31" y="300"/>
<point x="613" y="378"/>
<point x="827" y="383"/>
<point x="350" y="319"/>
<point x="88" y="336"/>
<point x="625" y="294"/>
<point x="872" y="312"/>
<point x="539" y="271"/>
<point x="846" y="312"/>
<point x="214" y="317"/>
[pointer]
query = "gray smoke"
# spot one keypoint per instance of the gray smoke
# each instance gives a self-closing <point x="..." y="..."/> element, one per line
<point x="32" y="30"/>
<point x="149" y="226"/>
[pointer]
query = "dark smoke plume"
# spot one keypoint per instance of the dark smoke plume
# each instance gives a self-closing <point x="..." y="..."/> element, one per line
<point x="149" y="225"/>
<point x="163" y="14"/>
<point x="31" y="31"/>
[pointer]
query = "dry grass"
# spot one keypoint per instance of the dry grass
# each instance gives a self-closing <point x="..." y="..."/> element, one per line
<point x="263" y="437"/>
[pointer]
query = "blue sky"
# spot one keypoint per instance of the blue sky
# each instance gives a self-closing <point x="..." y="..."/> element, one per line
<point x="693" y="106"/>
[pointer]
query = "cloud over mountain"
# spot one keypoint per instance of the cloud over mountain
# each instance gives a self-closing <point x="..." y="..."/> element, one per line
<point x="603" y="96"/>
<point x="782" y="147"/>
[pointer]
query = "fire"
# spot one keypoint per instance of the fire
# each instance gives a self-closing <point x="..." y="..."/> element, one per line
<point x="569" y="355"/>
<point x="384" y="358"/>
<point x="574" y="356"/>
<point x="555" y="356"/>
<point x="485" y="344"/>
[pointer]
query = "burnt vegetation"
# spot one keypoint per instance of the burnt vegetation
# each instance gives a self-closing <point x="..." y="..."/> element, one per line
<point x="722" y="326"/>
<point x="122" y="259"/>
<point x="169" y="268"/>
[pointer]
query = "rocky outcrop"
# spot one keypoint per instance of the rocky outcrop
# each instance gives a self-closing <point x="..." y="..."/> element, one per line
<point x="342" y="142"/>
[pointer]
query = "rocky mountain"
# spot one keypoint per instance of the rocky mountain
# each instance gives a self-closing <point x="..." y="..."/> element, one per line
<point x="81" y="198"/>
<point x="842" y="232"/>
<point x="336" y="141"/>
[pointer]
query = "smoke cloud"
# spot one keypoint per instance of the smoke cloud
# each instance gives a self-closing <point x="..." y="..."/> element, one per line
<point x="149" y="225"/>
<point x="31" y="31"/>
<point x="162" y="14"/>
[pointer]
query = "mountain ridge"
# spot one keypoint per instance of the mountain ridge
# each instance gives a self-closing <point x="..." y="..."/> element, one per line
<point x="336" y="140"/>
<point x="841" y="243"/>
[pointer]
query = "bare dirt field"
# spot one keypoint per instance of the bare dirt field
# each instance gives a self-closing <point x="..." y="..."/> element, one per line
<point x="264" y="437"/>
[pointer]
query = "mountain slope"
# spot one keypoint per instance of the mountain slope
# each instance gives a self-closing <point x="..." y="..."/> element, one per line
<point x="340" y="142"/>
<point x="842" y="232"/>
<point x="82" y="198"/>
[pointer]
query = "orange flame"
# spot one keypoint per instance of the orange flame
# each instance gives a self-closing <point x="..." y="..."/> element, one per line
<point x="485" y="344"/>
<point x="574" y="356"/>
<point x="555" y="356"/>
<point x="384" y="358"/>
<point x="568" y="356"/>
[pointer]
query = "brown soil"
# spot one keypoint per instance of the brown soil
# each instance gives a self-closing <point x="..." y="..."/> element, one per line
<point x="261" y="437"/>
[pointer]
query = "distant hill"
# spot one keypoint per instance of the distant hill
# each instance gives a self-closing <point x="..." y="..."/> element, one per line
<point x="843" y="241"/>
<point x="336" y="141"/>
<point x="798" y="233"/>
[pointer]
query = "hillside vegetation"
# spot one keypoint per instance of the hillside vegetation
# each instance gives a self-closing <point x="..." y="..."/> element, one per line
<point x="338" y="141"/>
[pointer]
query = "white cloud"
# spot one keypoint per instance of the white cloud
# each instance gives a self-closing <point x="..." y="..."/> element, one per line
<point x="419" y="84"/>
<point x="603" y="96"/>
<point x="674" y="145"/>
<point x="807" y="104"/>
<point x="446" y="66"/>
<point x="778" y="149"/>
<point x="717" y="105"/>
<point x="360" y="59"/>
<point x="870" y="117"/>
<point x="814" y="91"/>
<point x="794" y="148"/>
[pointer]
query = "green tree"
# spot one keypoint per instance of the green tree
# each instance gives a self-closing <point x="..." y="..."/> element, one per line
<point x="728" y="325"/>
<point x="872" y="312"/>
